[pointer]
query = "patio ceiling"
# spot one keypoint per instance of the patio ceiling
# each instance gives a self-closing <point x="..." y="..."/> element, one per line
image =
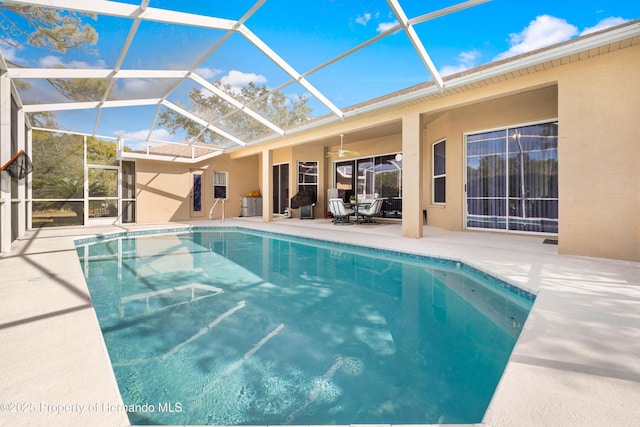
<point x="158" y="54"/>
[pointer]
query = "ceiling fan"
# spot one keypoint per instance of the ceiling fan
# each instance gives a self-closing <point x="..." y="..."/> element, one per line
<point x="342" y="152"/>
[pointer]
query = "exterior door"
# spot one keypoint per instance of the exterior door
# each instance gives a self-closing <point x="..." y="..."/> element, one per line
<point x="280" y="188"/>
<point x="512" y="179"/>
<point x="196" y="196"/>
<point x="103" y="195"/>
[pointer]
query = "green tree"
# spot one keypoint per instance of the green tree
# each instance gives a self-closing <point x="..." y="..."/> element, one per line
<point x="275" y="107"/>
<point x="80" y="90"/>
<point x="58" y="169"/>
<point x="53" y="156"/>
<point x="70" y="188"/>
<point x="52" y="29"/>
<point x="57" y="31"/>
<point x="44" y="119"/>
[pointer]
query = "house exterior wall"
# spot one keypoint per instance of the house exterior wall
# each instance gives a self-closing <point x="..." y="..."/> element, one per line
<point x="599" y="178"/>
<point x="365" y="148"/>
<point x="452" y="125"/>
<point x="596" y="102"/>
<point x="163" y="189"/>
<point x="293" y="155"/>
<point x="310" y="153"/>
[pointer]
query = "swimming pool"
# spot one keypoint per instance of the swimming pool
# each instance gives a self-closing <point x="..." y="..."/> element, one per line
<point x="230" y="326"/>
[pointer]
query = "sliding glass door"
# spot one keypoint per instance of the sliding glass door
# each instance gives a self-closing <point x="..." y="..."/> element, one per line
<point x="280" y="188"/>
<point x="512" y="179"/>
<point x="372" y="178"/>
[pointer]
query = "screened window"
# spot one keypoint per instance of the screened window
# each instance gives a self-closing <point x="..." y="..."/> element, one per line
<point x="219" y="185"/>
<point x="77" y="178"/>
<point x="58" y="179"/>
<point x="439" y="187"/>
<point x="512" y="179"/>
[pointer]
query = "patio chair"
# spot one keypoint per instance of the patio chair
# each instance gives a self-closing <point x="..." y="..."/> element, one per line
<point x="339" y="211"/>
<point x="369" y="213"/>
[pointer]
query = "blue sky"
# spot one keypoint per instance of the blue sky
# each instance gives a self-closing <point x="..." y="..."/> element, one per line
<point x="308" y="36"/>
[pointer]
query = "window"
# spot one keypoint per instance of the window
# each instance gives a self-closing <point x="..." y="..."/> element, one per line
<point x="439" y="187"/>
<point x="308" y="177"/>
<point x="219" y="185"/>
<point x="512" y="179"/>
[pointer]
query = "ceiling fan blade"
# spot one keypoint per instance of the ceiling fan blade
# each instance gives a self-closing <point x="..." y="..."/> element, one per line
<point x="343" y="153"/>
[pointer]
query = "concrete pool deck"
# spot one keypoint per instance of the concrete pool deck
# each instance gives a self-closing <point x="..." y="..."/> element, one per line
<point x="576" y="363"/>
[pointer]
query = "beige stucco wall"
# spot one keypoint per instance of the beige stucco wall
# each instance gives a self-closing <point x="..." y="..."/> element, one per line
<point x="301" y="153"/>
<point x="597" y="104"/>
<point x="310" y="153"/>
<point x="162" y="191"/>
<point x="163" y="188"/>
<point x="599" y="152"/>
<point x="452" y="125"/>
<point x="437" y="128"/>
<point x="370" y="147"/>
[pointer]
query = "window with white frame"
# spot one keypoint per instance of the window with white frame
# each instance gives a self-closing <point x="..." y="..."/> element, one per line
<point x="308" y="177"/>
<point x="439" y="183"/>
<point x="219" y="185"/>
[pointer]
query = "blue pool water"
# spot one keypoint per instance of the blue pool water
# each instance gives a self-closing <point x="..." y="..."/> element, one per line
<point x="233" y="327"/>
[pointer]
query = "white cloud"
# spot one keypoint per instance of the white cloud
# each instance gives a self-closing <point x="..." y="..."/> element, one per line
<point x="137" y="86"/>
<point x="136" y="140"/>
<point x="141" y="88"/>
<point x="237" y="79"/>
<point x="604" y="24"/>
<point x="362" y="20"/>
<point x="10" y="54"/>
<point x="384" y="26"/>
<point x="469" y="56"/>
<point x="448" y="70"/>
<point x="52" y="61"/>
<point x="208" y="73"/>
<point x="465" y="61"/>
<point x="543" y="31"/>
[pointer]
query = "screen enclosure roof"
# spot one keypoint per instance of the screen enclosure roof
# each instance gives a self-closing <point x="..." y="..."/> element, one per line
<point x="236" y="73"/>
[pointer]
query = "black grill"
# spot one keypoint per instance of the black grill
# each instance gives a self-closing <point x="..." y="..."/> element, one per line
<point x="303" y="199"/>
